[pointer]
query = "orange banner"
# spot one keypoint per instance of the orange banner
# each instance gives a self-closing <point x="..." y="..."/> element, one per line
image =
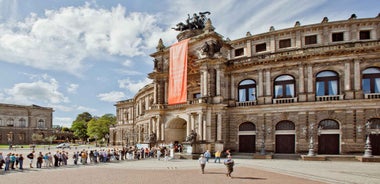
<point x="178" y="73"/>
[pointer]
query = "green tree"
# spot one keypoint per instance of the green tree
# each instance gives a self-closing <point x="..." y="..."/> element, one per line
<point x="99" y="127"/>
<point x="79" y="126"/>
<point x="37" y="137"/>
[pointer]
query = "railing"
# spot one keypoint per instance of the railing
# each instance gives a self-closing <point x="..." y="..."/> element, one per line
<point x="247" y="103"/>
<point x="284" y="100"/>
<point x="372" y="95"/>
<point x="329" y="98"/>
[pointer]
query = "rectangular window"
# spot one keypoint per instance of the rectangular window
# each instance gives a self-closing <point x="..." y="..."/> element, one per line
<point x="310" y="39"/>
<point x="284" y="43"/>
<point x="261" y="47"/>
<point x="239" y="52"/>
<point x="365" y="35"/>
<point x="337" y="37"/>
<point x="196" y="95"/>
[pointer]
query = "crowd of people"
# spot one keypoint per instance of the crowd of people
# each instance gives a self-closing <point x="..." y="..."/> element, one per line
<point x="13" y="160"/>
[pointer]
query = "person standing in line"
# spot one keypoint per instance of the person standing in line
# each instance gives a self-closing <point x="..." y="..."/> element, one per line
<point x="202" y="161"/>
<point x="7" y="162"/>
<point x="20" y="161"/>
<point x="1" y="160"/>
<point x="40" y="159"/>
<point x="12" y="160"/>
<point x="217" y="156"/>
<point x="229" y="163"/>
<point x="31" y="157"/>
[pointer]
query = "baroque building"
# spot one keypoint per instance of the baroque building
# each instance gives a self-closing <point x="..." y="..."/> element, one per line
<point x="276" y="92"/>
<point x="18" y="123"/>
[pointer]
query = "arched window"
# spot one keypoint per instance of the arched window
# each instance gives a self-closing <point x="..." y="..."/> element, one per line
<point x="371" y="80"/>
<point x="328" y="124"/>
<point x="41" y="123"/>
<point x="284" y="87"/>
<point x="22" y="122"/>
<point x="247" y="126"/>
<point x="247" y="90"/>
<point x="285" y="125"/>
<point x="375" y="123"/>
<point x="10" y="122"/>
<point x="327" y="83"/>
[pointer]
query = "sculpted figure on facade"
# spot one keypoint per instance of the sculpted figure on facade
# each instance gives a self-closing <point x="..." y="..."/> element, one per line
<point x="194" y="22"/>
<point x="191" y="138"/>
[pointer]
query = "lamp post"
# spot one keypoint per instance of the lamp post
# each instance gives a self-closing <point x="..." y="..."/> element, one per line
<point x="107" y="138"/>
<point x="311" y="140"/>
<point x="367" y="147"/>
<point x="265" y="132"/>
<point x="96" y="140"/>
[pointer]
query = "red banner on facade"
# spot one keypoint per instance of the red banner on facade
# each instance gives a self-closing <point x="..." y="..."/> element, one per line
<point x="178" y="73"/>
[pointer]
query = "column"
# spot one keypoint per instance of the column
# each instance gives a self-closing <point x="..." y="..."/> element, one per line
<point x="260" y="84"/>
<point x="347" y="84"/>
<point x="192" y="122"/>
<point x="301" y="79"/>
<point x="232" y="87"/>
<point x="357" y="81"/>
<point x="268" y="83"/>
<point x="158" y="130"/>
<point x="217" y="82"/>
<point x="200" y="126"/>
<point x="219" y="127"/>
<point x="205" y="90"/>
<point x="309" y="79"/>
<point x="188" y="124"/>
<point x="162" y="131"/>
<point x="204" y="129"/>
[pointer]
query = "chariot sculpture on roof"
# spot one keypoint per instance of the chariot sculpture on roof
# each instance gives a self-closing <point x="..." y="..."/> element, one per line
<point x="194" y="22"/>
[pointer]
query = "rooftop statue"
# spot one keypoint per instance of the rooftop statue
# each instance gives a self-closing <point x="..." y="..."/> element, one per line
<point x="194" y="22"/>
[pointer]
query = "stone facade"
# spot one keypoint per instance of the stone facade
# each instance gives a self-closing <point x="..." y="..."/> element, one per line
<point x="18" y="123"/>
<point x="276" y="91"/>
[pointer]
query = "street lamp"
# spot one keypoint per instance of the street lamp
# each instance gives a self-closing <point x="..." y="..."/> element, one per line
<point x="107" y="138"/>
<point x="367" y="147"/>
<point x="96" y="140"/>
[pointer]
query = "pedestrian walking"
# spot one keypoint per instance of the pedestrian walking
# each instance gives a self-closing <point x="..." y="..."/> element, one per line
<point x="229" y="163"/>
<point x="207" y="155"/>
<point x="202" y="161"/>
<point x="217" y="156"/>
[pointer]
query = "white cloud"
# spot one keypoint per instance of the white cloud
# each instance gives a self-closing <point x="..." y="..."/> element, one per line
<point x="45" y="90"/>
<point x="85" y="109"/>
<point x="112" y="96"/>
<point x="63" y="121"/>
<point x="133" y="86"/>
<point x="63" y="38"/>
<point x="72" y="88"/>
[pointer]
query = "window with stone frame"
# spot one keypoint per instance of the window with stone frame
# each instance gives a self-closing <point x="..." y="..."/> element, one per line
<point x="375" y="123"/>
<point x="284" y="87"/>
<point x="247" y="90"/>
<point x="337" y="37"/>
<point x="365" y="35"/>
<point x="285" y="125"/>
<point x="312" y="39"/>
<point x="22" y="123"/>
<point x="41" y="123"/>
<point x="328" y="124"/>
<point x="261" y="47"/>
<point x="239" y="52"/>
<point x="371" y="80"/>
<point x="10" y="122"/>
<point x="327" y="83"/>
<point x="247" y="126"/>
<point x="284" y="43"/>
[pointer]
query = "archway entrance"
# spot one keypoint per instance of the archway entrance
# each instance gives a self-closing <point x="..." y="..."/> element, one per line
<point x="175" y="131"/>
<point x="285" y="137"/>
<point x="329" y="137"/>
<point x="247" y="137"/>
<point x="375" y="135"/>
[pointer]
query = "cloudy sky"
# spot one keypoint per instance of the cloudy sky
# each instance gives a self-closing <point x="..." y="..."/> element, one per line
<point x="83" y="56"/>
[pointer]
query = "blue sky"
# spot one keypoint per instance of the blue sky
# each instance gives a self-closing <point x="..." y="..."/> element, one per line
<point x="83" y="56"/>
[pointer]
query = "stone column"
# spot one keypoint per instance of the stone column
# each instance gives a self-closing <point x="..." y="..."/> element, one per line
<point x="217" y="82"/>
<point x="232" y="85"/>
<point x="188" y="125"/>
<point x="200" y="126"/>
<point x="249" y="48"/>
<point x="347" y="84"/>
<point x="268" y="83"/>
<point x="158" y="129"/>
<point x="204" y="129"/>
<point x="357" y="78"/>
<point x="162" y="131"/>
<point x="260" y="84"/>
<point x="205" y="74"/>
<point x="219" y="127"/>
<point x="301" y="79"/>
